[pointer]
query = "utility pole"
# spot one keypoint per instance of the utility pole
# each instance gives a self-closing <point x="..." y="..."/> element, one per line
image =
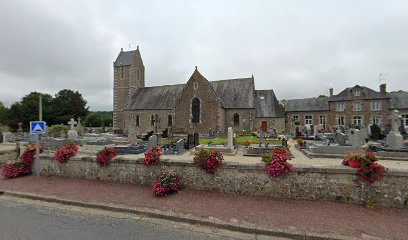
<point x="37" y="145"/>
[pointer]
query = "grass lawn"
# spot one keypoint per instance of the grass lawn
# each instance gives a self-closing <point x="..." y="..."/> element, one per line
<point x="240" y="140"/>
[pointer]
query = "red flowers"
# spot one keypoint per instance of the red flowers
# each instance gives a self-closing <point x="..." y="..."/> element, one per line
<point x="16" y="169"/>
<point x="66" y="152"/>
<point x="277" y="163"/>
<point x="22" y="167"/>
<point x="208" y="160"/>
<point x="367" y="169"/>
<point x="152" y="156"/>
<point x="300" y="141"/>
<point x="166" y="183"/>
<point x="104" y="156"/>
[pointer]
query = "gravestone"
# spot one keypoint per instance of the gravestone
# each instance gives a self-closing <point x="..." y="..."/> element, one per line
<point x="341" y="138"/>
<point x="230" y="144"/>
<point x="79" y="127"/>
<point x="20" y="132"/>
<point x="342" y="129"/>
<point x="354" y="137"/>
<point x="394" y="137"/>
<point x="180" y="145"/>
<point x="190" y="141"/>
<point x="375" y="132"/>
<point x="152" y="141"/>
<point x="72" y="134"/>
<point x="364" y="133"/>
<point x="132" y="133"/>
<point x="196" y="139"/>
<point x="312" y="130"/>
<point x="9" y="137"/>
<point x="165" y="133"/>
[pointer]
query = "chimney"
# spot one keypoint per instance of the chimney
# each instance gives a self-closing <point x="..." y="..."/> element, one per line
<point x="331" y="92"/>
<point x="383" y="89"/>
<point x="121" y="49"/>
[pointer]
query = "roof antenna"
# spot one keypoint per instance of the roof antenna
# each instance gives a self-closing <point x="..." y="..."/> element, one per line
<point x="381" y="77"/>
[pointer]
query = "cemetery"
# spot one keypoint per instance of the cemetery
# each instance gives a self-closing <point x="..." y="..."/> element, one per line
<point x="242" y="171"/>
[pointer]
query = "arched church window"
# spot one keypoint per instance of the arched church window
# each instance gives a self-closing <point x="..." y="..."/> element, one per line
<point x="170" y="120"/>
<point x="195" y="110"/>
<point x="236" y="119"/>
<point x="137" y="121"/>
<point x="152" y="120"/>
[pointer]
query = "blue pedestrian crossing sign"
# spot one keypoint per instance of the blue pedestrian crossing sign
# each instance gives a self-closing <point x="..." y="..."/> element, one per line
<point x="37" y="127"/>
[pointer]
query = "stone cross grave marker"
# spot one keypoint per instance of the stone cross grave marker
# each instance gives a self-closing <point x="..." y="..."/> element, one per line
<point x="72" y="134"/>
<point x="230" y="144"/>
<point x="394" y="138"/>
<point x="180" y="145"/>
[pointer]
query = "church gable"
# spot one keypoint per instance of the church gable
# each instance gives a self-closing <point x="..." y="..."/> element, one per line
<point x="198" y="105"/>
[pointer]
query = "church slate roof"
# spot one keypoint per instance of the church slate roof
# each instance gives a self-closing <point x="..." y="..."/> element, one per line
<point x="234" y="93"/>
<point x="399" y="100"/>
<point x="266" y="104"/>
<point x="160" y="97"/>
<point x="366" y="92"/>
<point x="307" y="104"/>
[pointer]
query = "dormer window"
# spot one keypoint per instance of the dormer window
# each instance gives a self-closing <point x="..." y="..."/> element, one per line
<point x="357" y="92"/>
<point x="262" y="97"/>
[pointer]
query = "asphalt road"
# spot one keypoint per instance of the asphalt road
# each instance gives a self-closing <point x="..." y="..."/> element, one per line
<point x="20" y="220"/>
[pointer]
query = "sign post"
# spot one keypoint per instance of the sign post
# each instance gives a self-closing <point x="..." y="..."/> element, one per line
<point x="37" y="128"/>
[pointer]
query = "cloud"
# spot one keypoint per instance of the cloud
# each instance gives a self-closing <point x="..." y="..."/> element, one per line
<point x="297" y="48"/>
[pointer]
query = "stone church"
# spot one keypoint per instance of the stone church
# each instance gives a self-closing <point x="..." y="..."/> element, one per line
<point x="196" y="106"/>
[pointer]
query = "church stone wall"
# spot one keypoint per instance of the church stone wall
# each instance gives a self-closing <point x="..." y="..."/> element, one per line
<point x="145" y="120"/>
<point x="278" y="123"/>
<point x="244" y="119"/>
<point x="210" y="106"/>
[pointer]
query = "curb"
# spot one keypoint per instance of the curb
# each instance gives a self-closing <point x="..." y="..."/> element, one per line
<point x="152" y="213"/>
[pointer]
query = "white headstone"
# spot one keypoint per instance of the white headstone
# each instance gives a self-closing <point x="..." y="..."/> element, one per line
<point x="354" y="137"/>
<point x="230" y="138"/>
<point x="180" y="145"/>
<point x="152" y="141"/>
<point x="394" y="138"/>
<point x="132" y="133"/>
<point x="9" y="137"/>
<point x="72" y="134"/>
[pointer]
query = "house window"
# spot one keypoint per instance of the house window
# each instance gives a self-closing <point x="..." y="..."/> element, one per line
<point x="356" y="106"/>
<point x="195" y="110"/>
<point x="341" y="120"/>
<point x="376" y="106"/>
<point x="308" y="119"/>
<point x="376" y="120"/>
<point x="404" y="120"/>
<point x="152" y="121"/>
<point x="195" y="86"/>
<point x="236" y="119"/>
<point x="295" y="118"/>
<point x="322" y="120"/>
<point x="340" y="106"/>
<point x="357" y="92"/>
<point x="262" y="98"/>
<point x="170" y="120"/>
<point x="137" y="121"/>
<point x="357" y="121"/>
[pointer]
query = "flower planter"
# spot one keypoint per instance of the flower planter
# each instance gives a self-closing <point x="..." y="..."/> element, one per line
<point x="354" y="163"/>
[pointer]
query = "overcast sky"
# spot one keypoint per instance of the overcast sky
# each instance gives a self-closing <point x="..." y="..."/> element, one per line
<point x="297" y="48"/>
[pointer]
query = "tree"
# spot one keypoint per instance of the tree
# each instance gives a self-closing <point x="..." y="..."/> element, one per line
<point x="98" y="119"/>
<point x="3" y="113"/>
<point x="68" y="104"/>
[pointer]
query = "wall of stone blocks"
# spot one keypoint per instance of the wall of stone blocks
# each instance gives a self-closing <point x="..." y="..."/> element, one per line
<point x="7" y="156"/>
<point x="245" y="120"/>
<point x="145" y="120"/>
<point x="278" y="123"/>
<point x="339" y="184"/>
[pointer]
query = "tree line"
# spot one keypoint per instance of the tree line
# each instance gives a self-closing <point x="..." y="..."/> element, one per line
<point x="57" y="109"/>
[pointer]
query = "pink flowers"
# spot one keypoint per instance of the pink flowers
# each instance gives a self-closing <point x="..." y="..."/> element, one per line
<point x="104" y="156"/>
<point x="277" y="163"/>
<point x="166" y="183"/>
<point x="66" y="152"/>
<point x="208" y="160"/>
<point x="152" y="156"/>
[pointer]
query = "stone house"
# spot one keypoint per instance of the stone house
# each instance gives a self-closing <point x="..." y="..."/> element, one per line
<point x="354" y="106"/>
<point x="197" y="106"/>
